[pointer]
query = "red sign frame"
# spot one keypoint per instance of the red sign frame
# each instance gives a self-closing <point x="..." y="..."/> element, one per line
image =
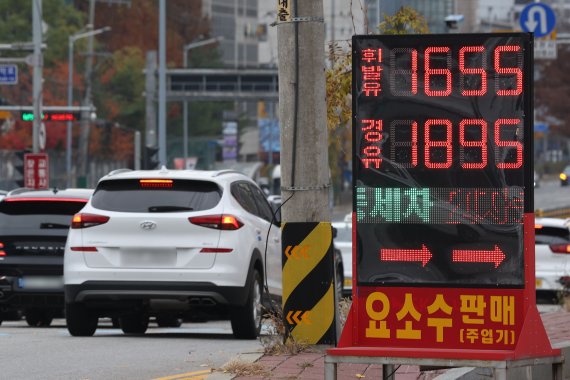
<point x="36" y="170"/>
<point x="451" y="321"/>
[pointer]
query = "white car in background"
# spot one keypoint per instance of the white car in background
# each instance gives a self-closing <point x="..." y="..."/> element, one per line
<point x="552" y="258"/>
<point x="343" y="242"/>
<point x="171" y="244"/>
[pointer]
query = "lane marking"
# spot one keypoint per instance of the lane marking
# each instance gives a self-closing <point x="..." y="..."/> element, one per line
<point x="196" y="375"/>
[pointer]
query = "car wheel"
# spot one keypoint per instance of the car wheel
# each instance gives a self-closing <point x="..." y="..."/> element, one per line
<point x="134" y="323"/>
<point x="80" y="321"/>
<point x="116" y="323"/>
<point x="246" y="319"/>
<point x="38" y="318"/>
<point x="168" y="321"/>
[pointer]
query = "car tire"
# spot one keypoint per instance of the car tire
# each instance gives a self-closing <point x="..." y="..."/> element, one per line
<point x="115" y="323"/>
<point x="246" y="319"/>
<point x="80" y="321"/>
<point x="0" y="322"/>
<point x="168" y="321"/>
<point x="134" y="323"/>
<point x="38" y="318"/>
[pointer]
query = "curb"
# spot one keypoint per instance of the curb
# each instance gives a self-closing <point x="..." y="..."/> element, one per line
<point x="250" y="357"/>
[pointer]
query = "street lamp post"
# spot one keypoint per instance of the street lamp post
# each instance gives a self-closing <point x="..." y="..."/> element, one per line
<point x="187" y="47"/>
<point x="72" y="40"/>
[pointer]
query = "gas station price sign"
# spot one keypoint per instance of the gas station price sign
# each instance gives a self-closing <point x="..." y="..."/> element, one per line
<point x="441" y="159"/>
<point x="443" y="221"/>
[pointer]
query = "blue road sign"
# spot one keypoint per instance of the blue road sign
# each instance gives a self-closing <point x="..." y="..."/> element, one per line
<point x="540" y="127"/>
<point x="8" y="74"/>
<point x="538" y="18"/>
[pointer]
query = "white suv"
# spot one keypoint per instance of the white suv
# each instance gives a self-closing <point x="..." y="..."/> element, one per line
<point x="552" y="253"/>
<point x="171" y="244"/>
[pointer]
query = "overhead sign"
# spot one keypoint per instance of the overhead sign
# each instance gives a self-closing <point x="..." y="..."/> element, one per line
<point x="443" y="198"/>
<point x="545" y="49"/>
<point x="541" y="127"/>
<point x="36" y="170"/>
<point x="8" y="74"/>
<point x="537" y="18"/>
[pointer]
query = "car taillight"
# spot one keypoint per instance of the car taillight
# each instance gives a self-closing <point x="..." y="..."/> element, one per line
<point x="83" y="249"/>
<point x="88" y="220"/>
<point x="560" y="248"/>
<point x="219" y="222"/>
<point x="2" y="252"/>
<point x="216" y="250"/>
<point x="156" y="183"/>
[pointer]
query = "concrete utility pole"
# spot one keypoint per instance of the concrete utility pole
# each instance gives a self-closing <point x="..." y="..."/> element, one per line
<point x="308" y="283"/>
<point x="162" y="83"/>
<point x="302" y="114"/>
<point x="85" y="117"/>
<point x="38" y="73"/>
<point x="150" y="94"/>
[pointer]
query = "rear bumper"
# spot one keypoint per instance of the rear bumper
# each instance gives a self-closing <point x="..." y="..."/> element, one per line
<point x="31" y="266"/>
<point x="13" y="296"/>
<point x="199" y="294"/>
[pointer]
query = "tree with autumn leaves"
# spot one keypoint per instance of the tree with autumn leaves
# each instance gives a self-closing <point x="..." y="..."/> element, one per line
<point x="339" y="89"/>
<point x="119" y="62"/>
<point x="16" y="26"/>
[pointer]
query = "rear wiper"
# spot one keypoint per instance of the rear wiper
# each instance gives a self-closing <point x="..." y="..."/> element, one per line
<point x="169" y="208"/>
<point x="54" y="225"/>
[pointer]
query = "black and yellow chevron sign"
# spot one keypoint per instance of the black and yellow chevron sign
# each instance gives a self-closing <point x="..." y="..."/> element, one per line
<point x="308" y="282"/>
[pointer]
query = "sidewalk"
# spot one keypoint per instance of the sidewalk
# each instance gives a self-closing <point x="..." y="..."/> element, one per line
<point x="310" y="365"/>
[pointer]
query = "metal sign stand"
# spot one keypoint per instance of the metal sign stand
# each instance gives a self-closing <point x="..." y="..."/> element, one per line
<point x="501" y="368"/>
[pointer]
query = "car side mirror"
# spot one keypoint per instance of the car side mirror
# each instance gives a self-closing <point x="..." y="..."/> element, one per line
<point x="277" y="218"/>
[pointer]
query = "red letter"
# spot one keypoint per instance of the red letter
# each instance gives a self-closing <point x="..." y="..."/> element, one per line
<point x="508" y="70"/>
<point x="482" y="143"/>
<point x="438" y="143"/>
<point x="508" y="144"/>
<point x="429" y="71"/>
<point x="412" y="144"/>
<point x="472" y="71"/>
<point x="396" y="88"/>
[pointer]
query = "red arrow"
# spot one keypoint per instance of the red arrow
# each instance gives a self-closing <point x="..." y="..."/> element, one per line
<point x="423" y="255"/>
<point x="478" y="256"/>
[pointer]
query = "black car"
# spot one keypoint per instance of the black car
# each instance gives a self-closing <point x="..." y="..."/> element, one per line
<point x="33" y="231"/>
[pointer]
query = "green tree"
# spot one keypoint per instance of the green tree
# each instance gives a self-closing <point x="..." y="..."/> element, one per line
<point x="406" y="21"/>
<point x="119" y="92"/>
<point x="61" y="19"/>
<point x="339" y="88"/>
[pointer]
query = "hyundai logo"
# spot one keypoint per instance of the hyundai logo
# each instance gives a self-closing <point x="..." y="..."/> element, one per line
<point x="148" y="225"/>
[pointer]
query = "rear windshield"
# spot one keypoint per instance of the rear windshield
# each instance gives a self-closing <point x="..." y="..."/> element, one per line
<point x="132" y="195"/>
<point x="36" y="214"/>
<point x="552" y="235"/>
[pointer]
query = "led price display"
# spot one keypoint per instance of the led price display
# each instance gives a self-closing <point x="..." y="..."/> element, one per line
<point x="441" y="173"/>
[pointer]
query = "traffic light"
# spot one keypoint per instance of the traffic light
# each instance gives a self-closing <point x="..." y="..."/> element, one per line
<point x="51" y="116"/>
<point x="19" y="166"/>
<point x="151" y="158"/>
